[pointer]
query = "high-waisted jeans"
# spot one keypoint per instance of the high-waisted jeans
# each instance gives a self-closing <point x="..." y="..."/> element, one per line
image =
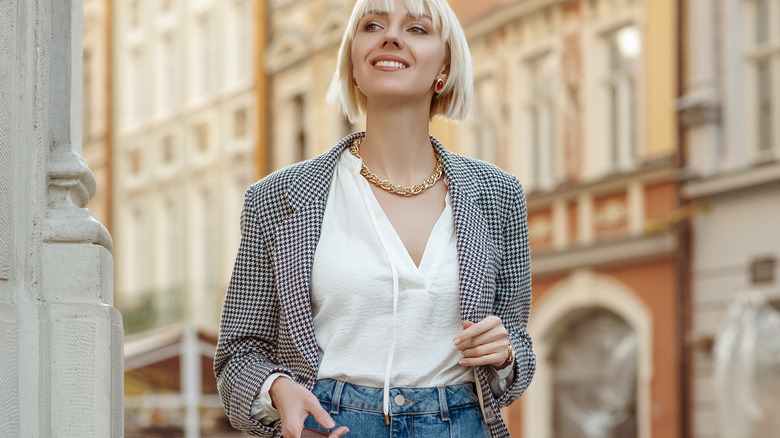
<point x="444" y="412"/>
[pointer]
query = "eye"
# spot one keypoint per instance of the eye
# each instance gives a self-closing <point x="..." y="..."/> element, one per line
<point x="418" y="30"/>
<point x="371" y="27"/>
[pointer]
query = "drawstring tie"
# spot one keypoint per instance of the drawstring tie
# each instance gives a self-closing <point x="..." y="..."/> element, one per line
<point x="394" y="269"/>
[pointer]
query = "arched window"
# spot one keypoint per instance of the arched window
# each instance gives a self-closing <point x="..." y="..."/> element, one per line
<point x="594" y="361"/>
<point x="593" y="342"/>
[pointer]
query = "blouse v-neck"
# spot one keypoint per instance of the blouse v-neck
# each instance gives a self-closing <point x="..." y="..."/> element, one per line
<point x="435" y="246"/>
<point x="363" y="277"/>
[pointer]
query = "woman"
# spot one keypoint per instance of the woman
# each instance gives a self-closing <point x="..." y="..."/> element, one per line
<point x="384" y="286"/>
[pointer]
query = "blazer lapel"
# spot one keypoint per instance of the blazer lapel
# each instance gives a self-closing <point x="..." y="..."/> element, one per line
<point x="471" y="233"/>
<point x="296" y="243"/>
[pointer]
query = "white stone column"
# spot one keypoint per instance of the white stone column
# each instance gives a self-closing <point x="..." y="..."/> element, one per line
<point x="61" y="366"/>
<point x="700" y="107"/>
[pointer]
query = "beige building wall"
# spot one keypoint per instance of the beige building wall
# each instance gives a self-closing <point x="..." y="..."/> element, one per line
<point x="96" y="105"/>
<point x="184" y="137"/>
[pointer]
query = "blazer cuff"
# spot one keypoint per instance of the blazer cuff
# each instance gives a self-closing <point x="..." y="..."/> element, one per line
<point x="263" y="409"/>
<point x="245" y="390"/>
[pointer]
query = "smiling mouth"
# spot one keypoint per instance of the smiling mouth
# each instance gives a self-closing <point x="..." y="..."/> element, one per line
<point x="390" y="64"/>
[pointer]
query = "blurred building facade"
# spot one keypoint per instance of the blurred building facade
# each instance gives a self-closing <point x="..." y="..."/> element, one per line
<point x="303" y="42"/>
<point x="185" y="141"/>
<point x="182" y="129"/>
<point x="730" y="112"/>
<point x="565" y="95"/>
<point x="576" y="98"/>
<point x="633" y="265"/>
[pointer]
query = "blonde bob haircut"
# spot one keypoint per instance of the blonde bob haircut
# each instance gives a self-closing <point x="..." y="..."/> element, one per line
<point x="454" y="100"/>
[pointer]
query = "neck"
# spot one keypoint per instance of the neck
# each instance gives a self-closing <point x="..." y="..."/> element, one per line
<point x="397" y="146"/>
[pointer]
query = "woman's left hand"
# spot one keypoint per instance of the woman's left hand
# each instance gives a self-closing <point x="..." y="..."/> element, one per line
<point x="483" y="343"/>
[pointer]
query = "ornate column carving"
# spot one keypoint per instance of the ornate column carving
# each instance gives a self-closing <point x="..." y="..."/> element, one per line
<point x="61" y="339"/>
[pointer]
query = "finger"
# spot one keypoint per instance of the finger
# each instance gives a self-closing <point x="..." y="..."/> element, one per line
<point x="491" y="359"/>
<point x="471" y="329"/>
<point x="466" y="333"/>
<point x="495" y="334"/>
<point x="341" y="431"/>
<point x="495" y="347"/>
<point x="319" y="414"/>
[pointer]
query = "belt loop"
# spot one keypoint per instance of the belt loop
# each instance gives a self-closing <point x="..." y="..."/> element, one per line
<point x="336" y="400"/>
<point x="445" y="411"/>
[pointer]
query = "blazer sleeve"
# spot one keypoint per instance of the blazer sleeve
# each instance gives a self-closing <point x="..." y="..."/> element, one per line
<point x="513" y="292"/>
<point x="246" y="352"/>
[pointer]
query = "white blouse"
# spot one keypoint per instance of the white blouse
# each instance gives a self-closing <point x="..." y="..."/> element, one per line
<point x="379" y="319"/>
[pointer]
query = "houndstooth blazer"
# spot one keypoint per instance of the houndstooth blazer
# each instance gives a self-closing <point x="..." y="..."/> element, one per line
<point x="267" y="321"/>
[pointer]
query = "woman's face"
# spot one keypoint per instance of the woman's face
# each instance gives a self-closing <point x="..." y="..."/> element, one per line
<point x="397" y="56"/>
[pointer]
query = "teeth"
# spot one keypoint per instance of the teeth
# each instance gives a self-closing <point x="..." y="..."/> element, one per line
<point x="393" y="64"/>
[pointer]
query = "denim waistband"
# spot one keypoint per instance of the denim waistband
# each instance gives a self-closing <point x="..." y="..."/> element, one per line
<point x="403" y="400"/>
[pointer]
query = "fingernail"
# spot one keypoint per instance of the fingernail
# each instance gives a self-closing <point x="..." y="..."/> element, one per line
<point x="330" y="423"/>
<point x="457" y="341"/>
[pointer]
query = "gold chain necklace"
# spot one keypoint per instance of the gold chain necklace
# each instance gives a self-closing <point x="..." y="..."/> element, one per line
<point x="390" y="187"/>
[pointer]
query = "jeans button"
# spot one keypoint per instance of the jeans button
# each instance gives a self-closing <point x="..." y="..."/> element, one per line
<point x="400" y="400"/>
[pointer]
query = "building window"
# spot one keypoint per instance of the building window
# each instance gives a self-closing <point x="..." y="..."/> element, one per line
<point x="136" y="91"/>
<point x="167" y="73"/>
<point x="209" y="247"/>
<point x="624" y="47"/>
<point x="762" y="21"/>
<point x="242" y="39"/>
<point x="202" y="137"/>
<point x="134" y="16"/>
<point x="595" y="378"/>
<point x="765" y="107"/>
<point x="206" y="61"/>
<point x="240" y="123"/>
<point x="483" y="125"/>
<point x="167" y="149"/>
<point x="134" y="161"/>
<point x="765" y="65"/>
<point x="541" y="120"/>
<point x="139" y="273"/>
<point x="299" y="118"/>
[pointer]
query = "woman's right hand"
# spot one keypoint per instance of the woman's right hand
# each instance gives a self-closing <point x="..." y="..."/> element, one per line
<point x="295" y="403"/>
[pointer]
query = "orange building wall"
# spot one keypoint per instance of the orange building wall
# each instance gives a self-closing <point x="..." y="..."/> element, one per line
<point x="660" y="200"/>
<point x="655" y="285"/>
<point x="468" y="10"/>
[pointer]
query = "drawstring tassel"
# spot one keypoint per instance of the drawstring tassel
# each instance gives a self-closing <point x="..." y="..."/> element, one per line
<point x="394" y="269"/>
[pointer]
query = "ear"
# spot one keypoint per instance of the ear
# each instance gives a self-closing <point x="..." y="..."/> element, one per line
<point x="444" y="73"/>
<point x="445" y="69"/>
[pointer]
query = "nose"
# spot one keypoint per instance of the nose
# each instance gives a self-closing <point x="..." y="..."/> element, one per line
<point x="391" y="38"/>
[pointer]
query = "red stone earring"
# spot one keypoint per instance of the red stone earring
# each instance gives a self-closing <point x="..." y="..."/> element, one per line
<point x="439" y="85"/>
